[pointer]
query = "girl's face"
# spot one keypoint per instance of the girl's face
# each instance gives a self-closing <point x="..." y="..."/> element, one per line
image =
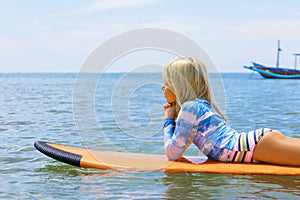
<point x="169" y="94"/>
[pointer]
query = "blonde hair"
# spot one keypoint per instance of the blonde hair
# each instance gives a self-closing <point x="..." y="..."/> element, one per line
<point x="188" y="79"/>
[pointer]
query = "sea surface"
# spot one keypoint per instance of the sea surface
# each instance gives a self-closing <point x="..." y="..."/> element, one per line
<point x="123" y="112"/>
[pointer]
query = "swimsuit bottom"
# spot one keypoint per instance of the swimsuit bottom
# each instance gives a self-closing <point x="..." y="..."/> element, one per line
<point x="244" y="146"/>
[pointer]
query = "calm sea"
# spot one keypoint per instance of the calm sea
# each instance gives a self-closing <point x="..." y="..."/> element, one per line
<point x="127" y="116"/>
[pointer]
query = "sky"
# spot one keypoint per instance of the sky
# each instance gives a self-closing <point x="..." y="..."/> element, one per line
<point x="58" y="36"/>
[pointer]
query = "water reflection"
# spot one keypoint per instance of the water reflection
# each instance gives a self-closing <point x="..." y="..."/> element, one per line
<point x="218" y="186"/>
<point x="281" y="186"/>
<point x="121" y="185"/>
<point x="188" y="185"/>
<point x="95" y="184"/>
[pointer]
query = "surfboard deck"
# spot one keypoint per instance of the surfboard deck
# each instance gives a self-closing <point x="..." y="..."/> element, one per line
<point x="108" y="160"/>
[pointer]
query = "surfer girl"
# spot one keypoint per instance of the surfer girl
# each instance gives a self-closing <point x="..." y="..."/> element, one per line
<point x="191" y="116"/>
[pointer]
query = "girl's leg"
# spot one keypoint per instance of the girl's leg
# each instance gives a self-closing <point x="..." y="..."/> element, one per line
<point x="278" y="149"/>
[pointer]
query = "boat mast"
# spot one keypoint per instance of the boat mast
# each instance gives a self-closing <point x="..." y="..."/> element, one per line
<point x="295" y="64"/>
<point x="278" y="51"/>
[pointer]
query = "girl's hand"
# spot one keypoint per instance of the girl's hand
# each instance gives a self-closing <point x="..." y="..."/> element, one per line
<point x="170" y="110"/>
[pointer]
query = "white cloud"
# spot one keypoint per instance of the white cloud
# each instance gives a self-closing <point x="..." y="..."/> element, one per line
<point x="288" y="29"/>
<point x="200" y="28"/>
<point x="111" y="4"/>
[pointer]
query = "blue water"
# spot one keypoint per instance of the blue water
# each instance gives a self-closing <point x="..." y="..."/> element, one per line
<point x="127" y="109"/>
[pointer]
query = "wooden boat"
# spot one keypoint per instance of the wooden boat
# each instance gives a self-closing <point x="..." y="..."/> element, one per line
<point x="276" y="72"/>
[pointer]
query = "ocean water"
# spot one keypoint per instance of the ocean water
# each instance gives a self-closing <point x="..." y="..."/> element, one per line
<point x="124" y="113"/>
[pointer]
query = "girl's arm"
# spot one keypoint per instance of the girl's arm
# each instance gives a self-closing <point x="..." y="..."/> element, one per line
<point x="178" y="137"/>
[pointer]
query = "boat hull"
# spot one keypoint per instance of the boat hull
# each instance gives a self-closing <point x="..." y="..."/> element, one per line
<point x="273" y="72"/>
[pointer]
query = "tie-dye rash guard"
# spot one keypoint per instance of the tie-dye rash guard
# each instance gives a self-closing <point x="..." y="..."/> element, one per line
<point x="198" y="123"/>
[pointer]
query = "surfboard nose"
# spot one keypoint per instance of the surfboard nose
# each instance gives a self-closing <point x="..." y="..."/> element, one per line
<point x="58" y="154"/>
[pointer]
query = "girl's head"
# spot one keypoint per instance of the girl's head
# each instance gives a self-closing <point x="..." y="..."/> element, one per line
<point x="188" y="80"/>
<point x="187" y="77"/>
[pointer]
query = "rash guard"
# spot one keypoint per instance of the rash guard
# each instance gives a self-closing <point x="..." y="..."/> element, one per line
<point x="199" y="123"/>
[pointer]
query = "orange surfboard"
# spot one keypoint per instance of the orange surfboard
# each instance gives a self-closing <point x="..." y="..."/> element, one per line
<point x="108" y="160"/>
